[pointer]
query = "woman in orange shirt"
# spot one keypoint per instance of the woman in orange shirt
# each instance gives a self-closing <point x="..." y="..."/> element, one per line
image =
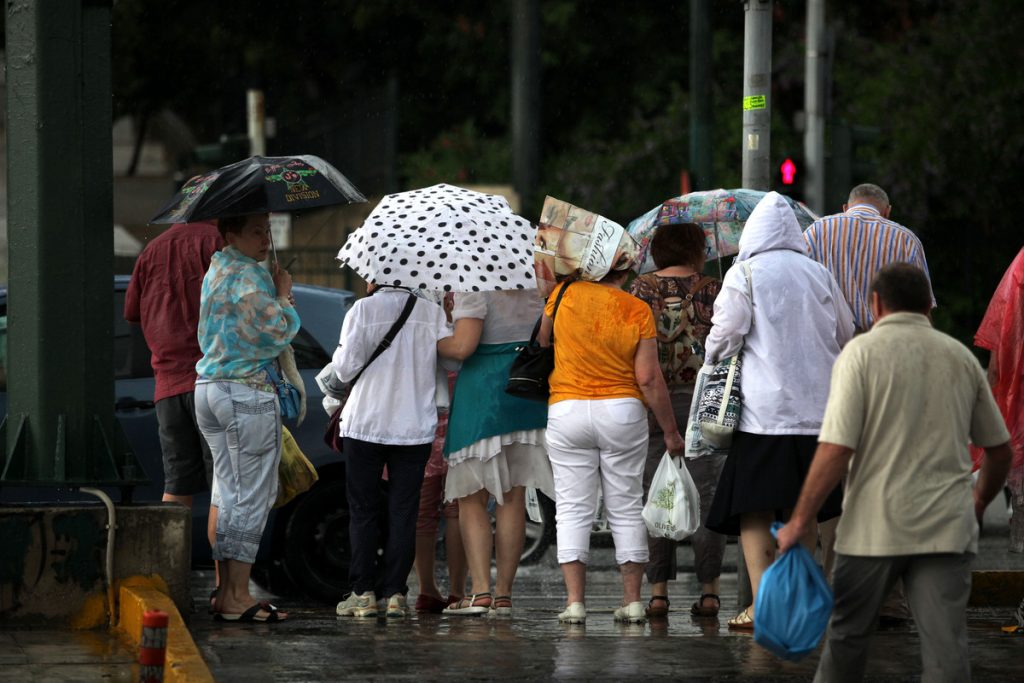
<point x="606" y="368"/>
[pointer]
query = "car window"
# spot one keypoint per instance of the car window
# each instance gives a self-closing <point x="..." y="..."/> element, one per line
<point x="131" y="355"/>
<point x="308" y="353"/>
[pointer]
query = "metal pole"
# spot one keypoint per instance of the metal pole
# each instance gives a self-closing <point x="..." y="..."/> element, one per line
<point x="701" y="119"/>
<point x="757" y="89"/>
<point x="814" y="107"/>
<point x="525" y="98"/>
<point x="256" y="118"/>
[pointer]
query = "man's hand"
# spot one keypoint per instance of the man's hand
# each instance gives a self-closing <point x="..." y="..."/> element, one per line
<point x="791" y="533"/>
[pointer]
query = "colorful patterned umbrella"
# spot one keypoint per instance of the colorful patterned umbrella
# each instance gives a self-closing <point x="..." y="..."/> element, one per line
<point x="259" y="185"/>
<point x="722" y="214"/>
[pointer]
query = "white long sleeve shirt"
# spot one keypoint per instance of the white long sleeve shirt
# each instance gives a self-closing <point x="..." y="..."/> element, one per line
<point x="791" y="331"/>
<point x="393" y="401"/>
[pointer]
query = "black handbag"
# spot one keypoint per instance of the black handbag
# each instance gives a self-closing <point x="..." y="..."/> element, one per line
<point x="528" y="376"/>
<point x="341" y="390"/>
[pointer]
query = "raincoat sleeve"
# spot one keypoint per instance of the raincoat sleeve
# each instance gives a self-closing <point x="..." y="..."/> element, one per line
<point x="731" y="320"/>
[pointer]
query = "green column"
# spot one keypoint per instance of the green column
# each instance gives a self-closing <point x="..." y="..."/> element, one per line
<point x="60" y="426"/>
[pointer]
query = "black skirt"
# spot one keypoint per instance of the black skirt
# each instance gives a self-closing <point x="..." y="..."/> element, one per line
<point x="764" y="473"/>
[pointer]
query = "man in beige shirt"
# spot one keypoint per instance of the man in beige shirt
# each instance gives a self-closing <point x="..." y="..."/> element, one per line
<point x="905" y="400"/>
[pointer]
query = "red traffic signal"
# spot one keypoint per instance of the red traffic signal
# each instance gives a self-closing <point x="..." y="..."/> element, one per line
<point x="788" y="169"/>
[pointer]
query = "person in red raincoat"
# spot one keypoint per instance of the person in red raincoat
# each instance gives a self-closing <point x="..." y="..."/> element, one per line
<point x="1002" y="333"/>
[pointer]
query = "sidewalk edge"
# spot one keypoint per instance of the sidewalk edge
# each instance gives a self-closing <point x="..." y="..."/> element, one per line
<point x="184" y="663"/>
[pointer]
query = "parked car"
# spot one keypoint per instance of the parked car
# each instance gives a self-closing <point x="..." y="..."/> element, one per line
<point x="305" y="547"/>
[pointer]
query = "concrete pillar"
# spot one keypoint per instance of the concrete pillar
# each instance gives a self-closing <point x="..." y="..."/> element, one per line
<point x="60" y="426"/>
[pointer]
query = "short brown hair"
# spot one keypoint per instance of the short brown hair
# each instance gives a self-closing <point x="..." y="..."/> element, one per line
<point x="231" y="224"/>
<point x="903" y="287"/>
<point x="677" y="244"/>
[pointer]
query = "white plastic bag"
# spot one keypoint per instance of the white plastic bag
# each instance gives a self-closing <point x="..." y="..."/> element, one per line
<point x="673" y="503"/>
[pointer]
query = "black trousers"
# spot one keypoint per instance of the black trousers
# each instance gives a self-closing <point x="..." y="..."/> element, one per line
<point x="364" y="467"/>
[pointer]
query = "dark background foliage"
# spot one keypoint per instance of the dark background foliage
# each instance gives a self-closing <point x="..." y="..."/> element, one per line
<point x="938" y="79"/>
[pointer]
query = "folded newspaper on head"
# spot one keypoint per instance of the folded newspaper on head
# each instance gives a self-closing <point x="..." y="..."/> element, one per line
<point x="573" y="240"/>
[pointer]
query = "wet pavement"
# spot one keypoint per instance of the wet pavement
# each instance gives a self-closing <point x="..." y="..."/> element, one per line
<point x="42" y="656"/>
<point x="316" y="645"/>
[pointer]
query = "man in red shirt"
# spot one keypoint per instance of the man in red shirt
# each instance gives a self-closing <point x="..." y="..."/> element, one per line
<point x="163" y="296"/>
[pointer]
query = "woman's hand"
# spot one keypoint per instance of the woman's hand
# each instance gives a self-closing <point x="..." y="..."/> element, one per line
<point x="282" y="281"/>
<point x="674" y="444"/>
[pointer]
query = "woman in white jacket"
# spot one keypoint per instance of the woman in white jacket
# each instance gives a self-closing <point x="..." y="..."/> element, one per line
<point x="790" y="321"/>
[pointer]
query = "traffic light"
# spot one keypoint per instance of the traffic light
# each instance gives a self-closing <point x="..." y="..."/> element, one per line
<point x="788" y="170"/>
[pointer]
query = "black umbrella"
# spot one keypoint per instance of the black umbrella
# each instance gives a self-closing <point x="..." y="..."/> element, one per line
<point x="260" y="185"/>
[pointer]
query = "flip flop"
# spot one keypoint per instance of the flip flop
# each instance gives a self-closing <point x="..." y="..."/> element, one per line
<point x="213" y="599"/>
<point x="250" y="615"/>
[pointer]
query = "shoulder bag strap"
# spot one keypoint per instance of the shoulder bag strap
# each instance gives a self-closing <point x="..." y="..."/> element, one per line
<point x="385" y="343"/>
<point x="536" y="327"/>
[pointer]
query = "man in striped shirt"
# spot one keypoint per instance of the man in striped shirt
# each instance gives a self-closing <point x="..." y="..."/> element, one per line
<point x="856" y="244"/>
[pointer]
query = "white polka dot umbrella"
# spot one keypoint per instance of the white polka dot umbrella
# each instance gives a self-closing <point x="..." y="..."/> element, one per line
<point x="443" y="238"/>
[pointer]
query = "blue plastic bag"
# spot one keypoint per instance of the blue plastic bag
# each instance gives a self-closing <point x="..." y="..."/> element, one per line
<point x="793" y="605"/>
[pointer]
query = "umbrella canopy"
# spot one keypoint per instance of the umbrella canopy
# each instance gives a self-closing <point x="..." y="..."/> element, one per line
<point x="259" y="185"/>
<point x="722" y="214"/>
<point x="443" y="238"/>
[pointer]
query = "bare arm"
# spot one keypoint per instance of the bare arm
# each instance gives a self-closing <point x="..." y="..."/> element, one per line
<point x="546" y="328"/>
<point x="994" y="468"/>
<point x="652" y="385"/>
<point x="827" y="469"/>
<point x="464" y="341"/>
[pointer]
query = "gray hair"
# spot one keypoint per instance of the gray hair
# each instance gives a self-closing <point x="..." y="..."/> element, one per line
<point x="872" y="193"/>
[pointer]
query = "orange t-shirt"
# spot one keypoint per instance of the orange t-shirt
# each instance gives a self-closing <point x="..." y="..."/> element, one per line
<point x="597" y="331"/>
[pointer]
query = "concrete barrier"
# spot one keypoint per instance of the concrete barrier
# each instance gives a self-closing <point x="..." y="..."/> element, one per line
<point x="183" y="661"/>
<point x="52" y="560"/>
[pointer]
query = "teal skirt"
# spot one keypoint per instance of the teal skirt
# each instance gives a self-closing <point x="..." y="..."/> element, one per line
<point x="480" y="408"/>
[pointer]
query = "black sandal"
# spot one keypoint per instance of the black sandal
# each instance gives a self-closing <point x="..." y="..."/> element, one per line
<point x="250" y="615"/>
<point x="699" y="610"/>
<point x="653" y="612"/>
<point x="213" y="601"/>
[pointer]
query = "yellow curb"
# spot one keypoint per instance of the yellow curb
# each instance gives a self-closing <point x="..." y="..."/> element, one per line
<point x="184" y="664"/>
<point x="996" y="588"/>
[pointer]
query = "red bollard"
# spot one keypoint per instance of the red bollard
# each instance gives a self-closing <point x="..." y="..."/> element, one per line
<point x="153" y="647"/>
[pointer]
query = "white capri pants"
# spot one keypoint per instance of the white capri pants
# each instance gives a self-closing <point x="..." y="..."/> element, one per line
<point x="590" y="442"/>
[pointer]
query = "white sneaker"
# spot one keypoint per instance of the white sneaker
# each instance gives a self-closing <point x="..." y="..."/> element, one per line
<point x="575" y="613"/>
<point x="633" y="613"/>
<point x="354" y="605"/>
<point x="396" y="606"/>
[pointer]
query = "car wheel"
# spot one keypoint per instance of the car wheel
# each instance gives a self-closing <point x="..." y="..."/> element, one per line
<point x="316" y="549"/>
<point x="539" y="535"/>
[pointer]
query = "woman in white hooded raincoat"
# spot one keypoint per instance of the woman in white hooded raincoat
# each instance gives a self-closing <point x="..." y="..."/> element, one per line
<point x="790" y="331"/>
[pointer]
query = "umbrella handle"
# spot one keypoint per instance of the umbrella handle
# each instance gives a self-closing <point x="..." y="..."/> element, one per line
<point x="273" y="247"/>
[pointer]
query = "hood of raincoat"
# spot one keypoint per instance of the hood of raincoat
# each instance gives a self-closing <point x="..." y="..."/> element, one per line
<point x="772" y="225"/>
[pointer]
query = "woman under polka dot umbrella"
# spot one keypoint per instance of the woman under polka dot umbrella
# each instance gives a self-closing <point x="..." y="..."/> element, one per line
<point x="443" y="238"/>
